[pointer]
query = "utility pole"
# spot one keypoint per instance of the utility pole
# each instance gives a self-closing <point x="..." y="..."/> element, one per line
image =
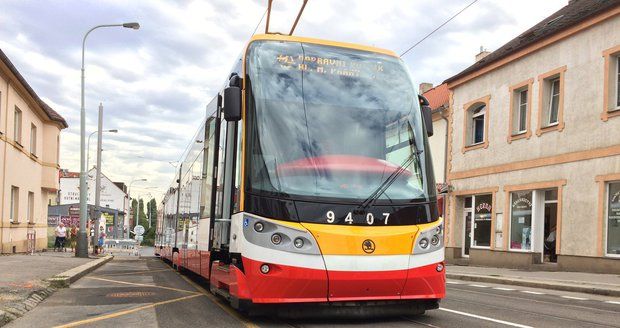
<point x="98" y="178"/>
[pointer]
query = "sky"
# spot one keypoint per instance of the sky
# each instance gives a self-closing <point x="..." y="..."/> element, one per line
<point x="155" y="82"/>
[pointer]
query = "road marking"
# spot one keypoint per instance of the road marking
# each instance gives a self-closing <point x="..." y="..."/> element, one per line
<point x="612" y="302"/>
<point x="480" y="286"/>
<point x="575" y="298"/>
<point x="453" y="282"/>
<point x="124" y="312"/>
<point x="531" y="292"/>
<point x="502" y="288"/>
<point x="217" y="301"/>
<point x="507" y="323"/>
<point x="141" y="285"/>
<point x="131" y="273"/>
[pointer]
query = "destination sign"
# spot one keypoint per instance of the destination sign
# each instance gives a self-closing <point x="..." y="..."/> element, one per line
<point x="330" y="66"/>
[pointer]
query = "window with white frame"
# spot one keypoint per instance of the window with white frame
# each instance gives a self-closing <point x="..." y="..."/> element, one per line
<point x="477" y="117"/>
<point x="481" y="227"/>
<point x="17" y="125"/>
<point x="33" y="139"/>
<point x="554" y="102"/>
<point x="519" y="111"/>
<point x="14" y="206"/>
<point x="30" y="214"/>
<point x="613" y="218"/>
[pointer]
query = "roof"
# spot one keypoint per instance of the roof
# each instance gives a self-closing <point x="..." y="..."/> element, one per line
<point x="67" y="174"/>
<point x="572" y="14"/>
<point x="438" y="96"/>
<point x="282" y="37"/>
<point x="52" y="114"/>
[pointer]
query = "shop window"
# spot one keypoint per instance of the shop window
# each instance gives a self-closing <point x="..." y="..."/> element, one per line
<point x="551" y="102"/>
<point x="521" y="220"/>
<point x="613" y="219"/>
<point x="483" y="205"/>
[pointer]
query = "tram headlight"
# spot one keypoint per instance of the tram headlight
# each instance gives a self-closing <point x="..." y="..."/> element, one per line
<point x="259" y="226"/>
<point x="423" y="243"/>
<point x="298" y="242"/>
<point x="276" y="239"/>
<point x="435" y="240"/>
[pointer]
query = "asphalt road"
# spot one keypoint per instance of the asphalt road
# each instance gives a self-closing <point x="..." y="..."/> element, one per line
<point x="148" y="293"/>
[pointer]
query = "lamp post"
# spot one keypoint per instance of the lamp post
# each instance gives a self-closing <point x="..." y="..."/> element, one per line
<point x="137" y="204"/>
<point x="82" y="242"/>
<point x="88" y="145"/>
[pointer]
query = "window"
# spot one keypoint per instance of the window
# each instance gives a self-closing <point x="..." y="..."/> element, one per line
<point x="551" y="101"/>
<point x="14" y="210"/>
<point x="521" y="112"/>
<point x="611" y="84"/>
<point x="613" y="218"/>
<point x="521" y="220"/>
<point x="478" y="125"/>
<point x="33" y="139"/>
<point x="483" y="205"/>
<point x="30" y="213"/>
<point x="17" y="125"/>
<point x="554" y="102"/>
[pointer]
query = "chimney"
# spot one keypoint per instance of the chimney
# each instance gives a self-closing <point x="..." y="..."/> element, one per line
<point x="425" y="86"/>
<point x="483" y="53"/>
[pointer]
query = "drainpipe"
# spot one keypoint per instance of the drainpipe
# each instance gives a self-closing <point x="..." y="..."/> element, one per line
<point x="3" y="186"/>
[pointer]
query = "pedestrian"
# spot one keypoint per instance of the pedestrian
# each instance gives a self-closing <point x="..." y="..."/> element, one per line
<point x="73" y="237"/>
<point x="101" y="241"/>
<point x="61" y="236"/>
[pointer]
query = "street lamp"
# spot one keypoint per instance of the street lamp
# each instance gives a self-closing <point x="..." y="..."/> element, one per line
<point x="82" y="242"/>
<point x="138" y="203"/>
<point x="88" y="146"/>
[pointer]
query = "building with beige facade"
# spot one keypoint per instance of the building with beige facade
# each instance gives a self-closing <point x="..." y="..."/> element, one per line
<point x="534" y="147"/>
<point x="29" y="151"/>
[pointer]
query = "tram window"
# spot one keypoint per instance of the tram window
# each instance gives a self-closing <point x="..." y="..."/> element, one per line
<point x="237" y="181"/>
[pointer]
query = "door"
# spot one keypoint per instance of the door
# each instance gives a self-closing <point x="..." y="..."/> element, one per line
<point x="551" y="217"/>
<point x="467" y="237"/>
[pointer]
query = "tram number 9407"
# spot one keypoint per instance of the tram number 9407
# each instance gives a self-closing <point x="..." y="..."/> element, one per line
<point x="370" y="218"/>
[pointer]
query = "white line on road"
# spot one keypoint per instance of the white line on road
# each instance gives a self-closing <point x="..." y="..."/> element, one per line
<point x="508" y="323"/>
<point x="531" y="292"/>
<point x="575" y="298"/>
<point x="453" y="282"/>
<point x="481" y="286"/>
<point x="612" y="302"/>
<point x="502" y="288"/>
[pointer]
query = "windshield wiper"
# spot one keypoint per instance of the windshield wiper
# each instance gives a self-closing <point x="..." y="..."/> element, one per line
<point x="389" y="181"/>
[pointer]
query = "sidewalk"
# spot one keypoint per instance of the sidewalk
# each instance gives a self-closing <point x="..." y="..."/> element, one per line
<point x="592" y="283"/>
<point x="23" y="279"/>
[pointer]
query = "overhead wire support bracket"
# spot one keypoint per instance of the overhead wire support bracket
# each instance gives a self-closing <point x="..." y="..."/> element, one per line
<point x="301" y="10"/>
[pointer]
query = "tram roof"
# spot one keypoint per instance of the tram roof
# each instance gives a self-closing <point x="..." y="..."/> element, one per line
<point x="282" y="37"/>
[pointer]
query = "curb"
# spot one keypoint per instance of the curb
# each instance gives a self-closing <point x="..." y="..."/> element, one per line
<point x="567" y="286"/>
<point x="68" y="277"/>
<point x="15" y="310"/>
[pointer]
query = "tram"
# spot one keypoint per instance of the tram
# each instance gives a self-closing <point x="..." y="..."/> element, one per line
<point x="310" y="182"/>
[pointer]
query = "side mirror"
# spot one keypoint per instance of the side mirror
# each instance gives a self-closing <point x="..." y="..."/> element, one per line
<point x="427" y="115"/>
<point x="232" y="104"/>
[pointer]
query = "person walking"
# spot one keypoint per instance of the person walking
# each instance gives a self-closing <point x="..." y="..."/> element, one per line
<point x="61" y="236"/>
<point x="73" y="237"/>
<point x="101" y="241"/>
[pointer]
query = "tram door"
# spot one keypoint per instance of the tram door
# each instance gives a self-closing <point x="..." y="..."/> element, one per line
<point x="225" y="173"/>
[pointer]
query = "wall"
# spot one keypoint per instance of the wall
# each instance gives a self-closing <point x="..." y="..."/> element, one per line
<point x="586" y="147"/>
<point x="438" y="143"/>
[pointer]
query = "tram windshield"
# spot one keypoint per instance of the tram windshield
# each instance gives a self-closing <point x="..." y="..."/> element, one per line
<point x="333" y="122"/>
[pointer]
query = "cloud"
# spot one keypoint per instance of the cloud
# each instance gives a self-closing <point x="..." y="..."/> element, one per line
<point x="154" y="83"/>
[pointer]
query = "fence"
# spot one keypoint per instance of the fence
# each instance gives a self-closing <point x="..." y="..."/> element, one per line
<point x="129" y="246"/>
<point x="31" y="237"/>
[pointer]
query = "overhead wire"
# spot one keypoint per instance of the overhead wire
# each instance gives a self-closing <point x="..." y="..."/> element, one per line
<point x="438" y="27"/>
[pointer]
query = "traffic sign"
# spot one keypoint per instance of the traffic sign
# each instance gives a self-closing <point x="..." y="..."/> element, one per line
<point x="138" y="230"/>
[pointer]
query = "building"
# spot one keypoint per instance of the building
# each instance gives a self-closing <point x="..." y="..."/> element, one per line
<point x="438" y="98"/>
<point x="534" y="147"/>
<point x="29" y="151"/>
<point x="114" y="200"/>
